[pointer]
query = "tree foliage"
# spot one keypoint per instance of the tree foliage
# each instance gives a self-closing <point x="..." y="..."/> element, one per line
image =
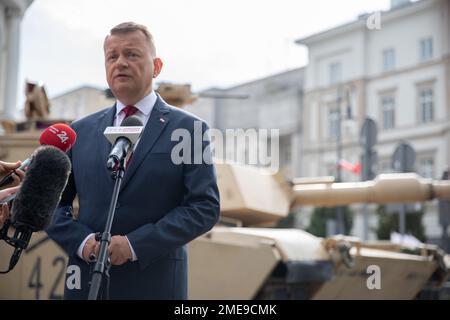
<point x="389" y="222"/>
<point x="320" y="216"/>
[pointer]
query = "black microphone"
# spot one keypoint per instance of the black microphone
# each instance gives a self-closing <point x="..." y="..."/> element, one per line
<point x="37" y="199"/>
<point x="123" y="138"/>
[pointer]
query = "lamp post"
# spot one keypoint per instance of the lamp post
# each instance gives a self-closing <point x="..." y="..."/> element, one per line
<point x="368" y="139"/>
<point x="340" y="212"/>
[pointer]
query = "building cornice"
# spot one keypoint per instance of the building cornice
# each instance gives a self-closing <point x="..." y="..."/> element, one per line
<point x="360" y="24"/>
<point x="259" y="80"/>
<point x="410" y="133"/>
<point x="320" y="90"/>
<point x="80" y="88"/>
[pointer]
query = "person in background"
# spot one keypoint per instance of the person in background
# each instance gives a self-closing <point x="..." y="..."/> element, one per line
<point x="5" y="169"/>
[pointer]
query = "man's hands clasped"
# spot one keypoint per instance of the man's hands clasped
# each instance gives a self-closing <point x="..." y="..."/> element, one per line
<point x="119" y="250"/>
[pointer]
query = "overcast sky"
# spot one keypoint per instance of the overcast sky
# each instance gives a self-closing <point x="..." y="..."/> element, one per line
<point x="207" y="43"/>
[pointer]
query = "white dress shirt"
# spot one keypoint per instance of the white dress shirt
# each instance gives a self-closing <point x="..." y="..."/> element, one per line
<point x="145" y="107"/>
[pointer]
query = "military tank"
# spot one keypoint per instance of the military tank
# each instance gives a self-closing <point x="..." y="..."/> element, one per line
<point x="249" y="261"/>
<point x="255" y="260"/>
<point x="245" y="257"/>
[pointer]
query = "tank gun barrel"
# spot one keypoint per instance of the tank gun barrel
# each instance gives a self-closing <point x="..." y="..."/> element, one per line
<point x="442" y="189"/>
<point x="386" y="188"/>
<point x="255" y="198"/>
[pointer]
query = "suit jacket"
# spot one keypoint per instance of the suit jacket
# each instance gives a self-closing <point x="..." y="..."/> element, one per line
<point x="161" y="206"/>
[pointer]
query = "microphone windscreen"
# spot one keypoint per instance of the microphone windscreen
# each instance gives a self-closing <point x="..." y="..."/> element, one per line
<point x="132" y="121"/>
<point x="41" y="189"/>
<point x="59" y="135"/>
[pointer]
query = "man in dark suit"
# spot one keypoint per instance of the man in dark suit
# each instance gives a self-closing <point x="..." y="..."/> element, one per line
<point x="162" y="205"/>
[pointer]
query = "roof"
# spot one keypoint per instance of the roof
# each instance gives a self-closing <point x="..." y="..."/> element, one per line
<point x="263" y="79"/>
<point x="82" y="87"/>
<point x="360" y="23"/>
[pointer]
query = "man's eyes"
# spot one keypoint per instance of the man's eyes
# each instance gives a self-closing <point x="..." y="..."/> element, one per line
<point x="133" y="55"/>
<point x="111" y="57"/>
<point x="130" y="55"/>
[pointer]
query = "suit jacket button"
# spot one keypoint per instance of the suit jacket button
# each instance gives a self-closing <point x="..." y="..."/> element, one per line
<point x="117" y="205"/>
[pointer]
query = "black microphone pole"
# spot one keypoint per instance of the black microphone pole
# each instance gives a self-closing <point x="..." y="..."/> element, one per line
<point x="101" y="268"/>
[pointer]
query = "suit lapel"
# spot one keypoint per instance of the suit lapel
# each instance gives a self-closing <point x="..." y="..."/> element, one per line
<point x="104" y="146"/>
<point x="156" y="123"/>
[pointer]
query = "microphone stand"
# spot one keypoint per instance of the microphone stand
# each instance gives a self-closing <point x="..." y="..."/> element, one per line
<point x="102" y="265"/>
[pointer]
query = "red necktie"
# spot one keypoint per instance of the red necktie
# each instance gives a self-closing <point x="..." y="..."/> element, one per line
<point x="129" y="111"/>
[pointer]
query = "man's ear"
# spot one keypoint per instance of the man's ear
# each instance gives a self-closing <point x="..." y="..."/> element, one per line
<point x="157" y="66"/>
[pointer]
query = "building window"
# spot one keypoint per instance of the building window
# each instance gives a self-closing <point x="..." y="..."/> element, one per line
<point x="333" y="123"/>
<point x="426" y="167"/>
<point x="426" y="49"/>
<point x="388" y="111"/>
<point x="335" y="73"/>
<point x="426" y="105"/>
<point x="388" y="59"/>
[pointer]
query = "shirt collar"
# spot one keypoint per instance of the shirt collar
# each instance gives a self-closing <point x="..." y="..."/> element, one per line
<point x="145" y="105"/>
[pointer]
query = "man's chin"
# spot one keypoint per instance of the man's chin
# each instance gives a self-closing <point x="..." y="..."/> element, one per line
<point x="124" y="94"/>
<point x="122" y="90"/>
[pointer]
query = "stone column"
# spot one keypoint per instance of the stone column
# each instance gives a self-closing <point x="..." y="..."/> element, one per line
<point x="13" y="19"/>
<point x="2" y="57"/>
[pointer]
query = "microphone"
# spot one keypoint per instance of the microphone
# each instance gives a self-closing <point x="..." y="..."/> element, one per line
<point x="58" y="135"/>
<point x="122" y="138"/>
<point x="37" y="199"/>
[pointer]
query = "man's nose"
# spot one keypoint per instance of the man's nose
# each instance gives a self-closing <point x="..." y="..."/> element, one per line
<point x="122" y="61"/>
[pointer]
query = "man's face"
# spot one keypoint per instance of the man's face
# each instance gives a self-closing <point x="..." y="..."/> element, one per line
<point x="130" y="66"/>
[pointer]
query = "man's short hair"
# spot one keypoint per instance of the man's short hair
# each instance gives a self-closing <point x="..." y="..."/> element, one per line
<point x="127" y="27"/>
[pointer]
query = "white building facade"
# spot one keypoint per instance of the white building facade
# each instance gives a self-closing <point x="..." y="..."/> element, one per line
<point x="273" y="102"/>
<point x="79" y="102"/>
<point x="393" y="67"/>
